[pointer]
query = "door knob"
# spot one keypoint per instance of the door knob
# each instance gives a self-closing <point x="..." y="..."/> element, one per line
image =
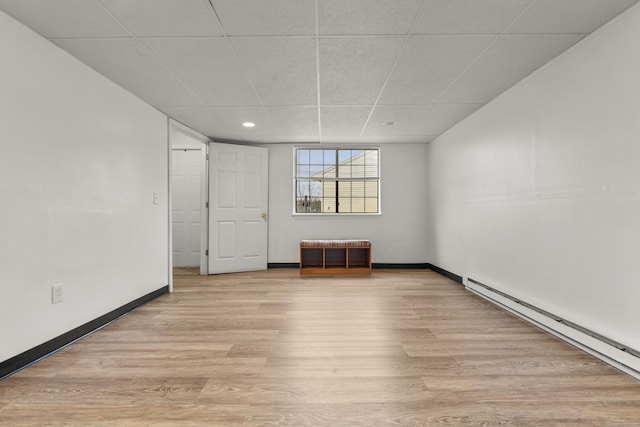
<point x="264" y="215"/>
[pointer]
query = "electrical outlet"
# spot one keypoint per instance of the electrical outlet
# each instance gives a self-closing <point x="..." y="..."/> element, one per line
<point x="56" y="294"/>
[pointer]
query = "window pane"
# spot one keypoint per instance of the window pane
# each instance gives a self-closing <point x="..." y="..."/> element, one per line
<point x="329" y="157"/>
<point x="329" y="189"/>
<point x="345" y="204"/>
<point x="357" y="171"/>
<point x="371" y="157"/>
<point x="371" y="205"/>
<point x="371" y="189"/>
<point x="315" y="189"/>
<point x="303" y="171"/>
<point x="371" y="164"/>
<point x="302" y="187"/>
<point x="371" y="171"/>
<point x="357" y="157"/>
<point x="330" y="172"/>
<point x="344" y="171"/>
<point x="344" y="189"/>
<point x="316" y="157"/>
<point x="343" y="155"/>
<point x="357" y="189"/>
<point x="302" y="195"/>
<point x="303" y="156"/>
<point x="309" y="195"/>
<point x="329" y="204"/>
<point x="315" y="171"/>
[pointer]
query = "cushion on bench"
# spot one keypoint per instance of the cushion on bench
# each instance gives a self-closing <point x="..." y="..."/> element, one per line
<point x="335" y="243"/>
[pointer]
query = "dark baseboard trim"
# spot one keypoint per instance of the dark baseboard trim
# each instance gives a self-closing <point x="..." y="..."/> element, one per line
<point x="446" y="273"/>
<point x="22" y="360"/>
<point x="400" y="266"/>
<point x="283" y="265"/>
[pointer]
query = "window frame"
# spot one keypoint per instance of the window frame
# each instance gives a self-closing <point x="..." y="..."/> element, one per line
<point x="378" y="179"/>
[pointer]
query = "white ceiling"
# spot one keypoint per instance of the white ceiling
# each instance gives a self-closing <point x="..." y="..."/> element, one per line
<point x="329" y="71"/>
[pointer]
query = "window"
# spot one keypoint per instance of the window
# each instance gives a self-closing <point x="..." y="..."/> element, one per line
<point x="337" y="180"/>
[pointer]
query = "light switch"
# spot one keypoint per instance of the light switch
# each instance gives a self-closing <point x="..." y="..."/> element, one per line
<point x="156" y="199"/>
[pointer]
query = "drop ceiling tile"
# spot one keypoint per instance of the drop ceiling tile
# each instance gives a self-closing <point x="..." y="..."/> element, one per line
<point x="233" y="117"/>
<point x="343" y="121"/>
<point x="166" y="18"/>
<point x="416" y="120"/>
<point x="567" y="16"/>
<point x="507" y="61"/>
<point x="467" y="17"/>
<point x="282" y="69"/>
<point x="208" y="66"/>
<point x="293" y="121"/>
<point x="70" y="18"/>
<point x="428" y="64"/>
<point x="354" y="69"/>
<point x="337" y="17"/>
<point x="203" y="120"/>
<point x="270" y="121"/>
<point x="266" y="17"/>
<point x="129" y="64"/>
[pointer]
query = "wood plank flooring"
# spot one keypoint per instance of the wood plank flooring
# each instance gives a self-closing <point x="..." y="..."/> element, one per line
<point x="272" y="348"/>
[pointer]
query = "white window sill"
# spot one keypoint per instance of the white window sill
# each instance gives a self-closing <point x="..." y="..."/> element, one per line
<point x="334" y="215"/>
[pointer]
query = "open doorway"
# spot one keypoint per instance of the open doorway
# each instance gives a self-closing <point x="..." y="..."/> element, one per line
<point x="188" y="200"/>
<point x="185" y="207"/>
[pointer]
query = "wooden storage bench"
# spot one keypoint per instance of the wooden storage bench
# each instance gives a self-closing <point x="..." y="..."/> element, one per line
<point x="335" y="257"/>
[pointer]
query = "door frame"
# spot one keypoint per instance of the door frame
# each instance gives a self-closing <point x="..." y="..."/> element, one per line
<point x="202" y="198"/>
<point x="204" y="210"/>
<point x="199" y="142"/>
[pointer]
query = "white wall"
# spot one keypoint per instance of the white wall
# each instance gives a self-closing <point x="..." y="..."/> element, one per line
<point x="538" y="193"/>
<point x="398" y="235"/>
<point x="80" y="160"/>
<point x="183" y="137"/>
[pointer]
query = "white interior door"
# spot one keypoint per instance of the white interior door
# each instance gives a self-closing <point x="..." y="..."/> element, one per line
<point x="238" y="186"/>
<point x="186" y="171"/>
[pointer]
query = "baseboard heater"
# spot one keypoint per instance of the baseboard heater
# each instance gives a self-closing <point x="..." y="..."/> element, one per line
<point x="610" y="351"/>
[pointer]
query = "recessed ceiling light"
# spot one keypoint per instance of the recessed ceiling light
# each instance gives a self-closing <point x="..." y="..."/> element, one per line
<point x="388" y="123"/>
<point x="249" y="124"/>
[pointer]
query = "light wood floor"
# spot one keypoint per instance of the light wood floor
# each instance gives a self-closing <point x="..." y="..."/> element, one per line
<point x="398" y="348"/>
